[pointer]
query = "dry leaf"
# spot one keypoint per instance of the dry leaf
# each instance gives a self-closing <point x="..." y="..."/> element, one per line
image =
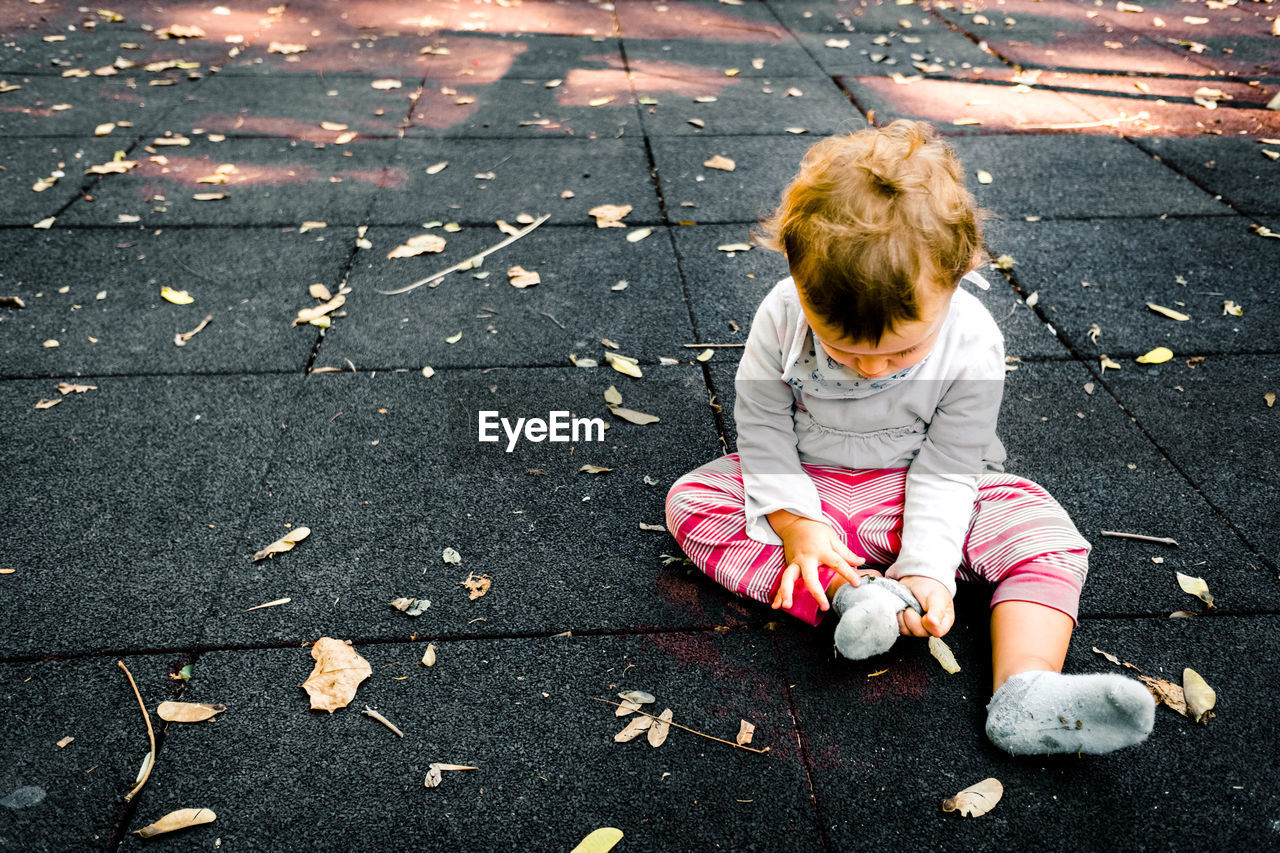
<point x="1199" y="695"/>
<point x="746" y="731"/>
<point x="384" y="85"/>
<point x="660" y="729"/>
<point x="594" y="469"/>
<point x="284" y="543"/>
<point x="976" y="800"/>
<point x="451" y="556"/>
<point x="179" y="31"/>
<point x="1270" y="398"/>
<point x="1004" y="262"/>
<point x="984" y="177"/>
<point x="720" y="162"/>
<point x="51" y="343"/>
<point x="285" y="49"/>
<point x="706" y="354"/>
<point x="1167" y="692"/>
<point x="518" y="276"/>
<point x="437" y="168"/>
<point x="62" y="744"/>
<point x="180" y="819"/>
<point x="1159" y="355"/>
<point x="640" y="697"/>
<point x="319" y="291"/>
<point x="177" y="297"/>
<point x="1195" y="586"/>
<point x="609" y="215"/>
<point x="639" y="234"/>
<point x="435" y="769"/>
<point x="429" y="656"/>
<point x="601" y="840"/>
<point x="632" y="416"/>
<point x="613" y="396"/>
<point x="47" y="404"/>
<point x="45" y="223"/>
<point x="477" y="586"/>
<point x="104" y="129"/>
<point x="627" y="707"/>
<point x="633" y="729"/>
<point x="188" y="712"/>
<point x="624" y="364"/>
<point x="942" y="652"/>
<point x="1229" y="307"/>
<point x="419" y="245"/>
<point x="599" y="102"/>
<point x="453" y="339"/>
<point x="1168" y="312"/>
<point x="334" y="126"/>
<point x="337" y="674"/>
<point x="411" y="606"/>
<point x="734" y="247"/>
<point x="307" y="315"/>
<point x="65" y="388"/>
<point x="1104" y="361"/>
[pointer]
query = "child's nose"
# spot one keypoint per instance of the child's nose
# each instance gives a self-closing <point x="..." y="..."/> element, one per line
<point x="871" y="368"/>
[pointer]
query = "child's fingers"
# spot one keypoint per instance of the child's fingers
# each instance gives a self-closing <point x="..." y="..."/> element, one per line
<point x="909" y="623"/>
<point x="783" y="597"/>
<point x="811" y="582"/>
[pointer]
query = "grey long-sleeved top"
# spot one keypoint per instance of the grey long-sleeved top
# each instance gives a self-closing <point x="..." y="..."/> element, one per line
<point x="937" y="418"/>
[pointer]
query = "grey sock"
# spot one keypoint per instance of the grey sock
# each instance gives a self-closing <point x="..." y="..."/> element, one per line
<point x="868" y="616"/>
<point x="1035" y="713"/>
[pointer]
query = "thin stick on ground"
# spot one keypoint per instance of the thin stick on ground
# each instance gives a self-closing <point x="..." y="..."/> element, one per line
<point x="151" y="734"/>
<point x="712" y="346"/>
<point x="369" y="712"/>
<point x="467" y="264"/>
<point x="1163" y="540"/>
<point x="687" y="729"/>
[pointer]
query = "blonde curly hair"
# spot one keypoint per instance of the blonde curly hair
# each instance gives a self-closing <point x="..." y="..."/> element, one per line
<point x="871" y="218"/>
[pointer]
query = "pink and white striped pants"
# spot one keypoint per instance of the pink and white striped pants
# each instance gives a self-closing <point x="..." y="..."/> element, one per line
<point x="1020" y="538"/>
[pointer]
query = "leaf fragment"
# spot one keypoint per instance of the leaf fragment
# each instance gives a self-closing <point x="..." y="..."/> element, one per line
<point x="319" y="291"/>
<point x="420" y="245"/>
<point x="660" y="729"/>
<point x="429" y="656"/>
<point x="613" y="396"/>
<point x="437" y="168"/>
<point x="175" y="820"/>
<point x="609" y="215"/>
<point x="706" y="354"/>
<point x="633" y="729"/>
<point x="627" y="707"/>
<point x="177" y="297"/>
<point x="188" y="712"/>
<point x="976" y="800"/>
<point x="284" y="543"/>
<point x="1229" y="307"/>
<point x="308" y="315"/>
<point x="639" y="234"/>
<point x="477" y="586"/>
<point x="624" y="364"/>
<point x="942" y="652"/>
<point x="640" y="697"/>
<point x="65" y="388"/>
<point x="1159" y="355"/>
<point x="1168" y="312"/>
<point x="1270" y="399"/>
<point x="337" y="674"/>
<point x="42" y="403"/>
<point x="734" y="247"/>
<point x="411" y="606"/>
<point x="386" y="84"/>
<point x="449" y="555"/>
<point x="1195" y="586"/>
<point x="595" y="469"/>
<point x="984" y="177"/>
<point x="746" y="731"/>
<point x="518" y="276"/>
<point x="632" y="416"/>
<point x="1199" y="695"/>
<point x="601" y="840"/>
<point x="720" y="162"/>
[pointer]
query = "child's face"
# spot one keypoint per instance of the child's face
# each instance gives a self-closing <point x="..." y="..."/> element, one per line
<point x="898" y="349"/>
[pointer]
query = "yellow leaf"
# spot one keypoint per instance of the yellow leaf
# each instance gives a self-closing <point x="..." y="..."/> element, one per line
<point x="188" y="712"/>
<point x="599" y="102"/>
<point x="104" y="129"/>
<point x="639" y="234"/>
<point x="1170" y="313"/>
<point x="1004" y="262"/>
<point x="720" y="162"/>
<point x="453" y="339"/>
<point x="633" y="416"/>
<point x="1159" y="355"/>
<point x="976" y="800"/>
<point x="177" y="297"/>
<point x="706" y="354"/>
<point x="337" y="674"/>
<point x="1229" y="307"/>
<point x="599" y="841"/>
<point x="1105" y="361"/>
<point x="1199" y="695"/>
<point x="345" y="137"/>
<point x="943" y="654"/>
<point x="613" y="396"/>
<point x="1195" y="586"/>
<point x="284" y="543"/>
<point x="180" y="819"/>
<point x="623" y="364"/>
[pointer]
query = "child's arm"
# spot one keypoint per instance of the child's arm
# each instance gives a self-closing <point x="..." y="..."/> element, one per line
<point x="782" y="505"/>
<point x="942" y="485"/>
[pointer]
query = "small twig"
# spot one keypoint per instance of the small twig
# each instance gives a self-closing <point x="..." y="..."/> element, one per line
<point x="687" y="729"/>
<point x="552" y="319"/>
<point x="1109" y="122"/>
<point x="369" y="712"/>
<point x="467" y="264"/>
<point x="1163" y="540"/>
<point x="186" y="336"/>
<point x="151" y="734"/>
<point x="275" y="603"/>
<point x="712" y="346"/>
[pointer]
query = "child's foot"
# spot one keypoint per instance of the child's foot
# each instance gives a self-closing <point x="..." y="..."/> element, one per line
<point x="868" y="616"/>
<point x="1034" y="713"/>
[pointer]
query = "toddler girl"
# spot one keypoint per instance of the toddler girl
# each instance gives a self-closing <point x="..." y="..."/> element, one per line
<point x="867" y="399"/>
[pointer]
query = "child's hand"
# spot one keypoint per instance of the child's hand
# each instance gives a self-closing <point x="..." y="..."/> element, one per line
<point x="807" y="544"/>
<point x="939" y="609"/>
